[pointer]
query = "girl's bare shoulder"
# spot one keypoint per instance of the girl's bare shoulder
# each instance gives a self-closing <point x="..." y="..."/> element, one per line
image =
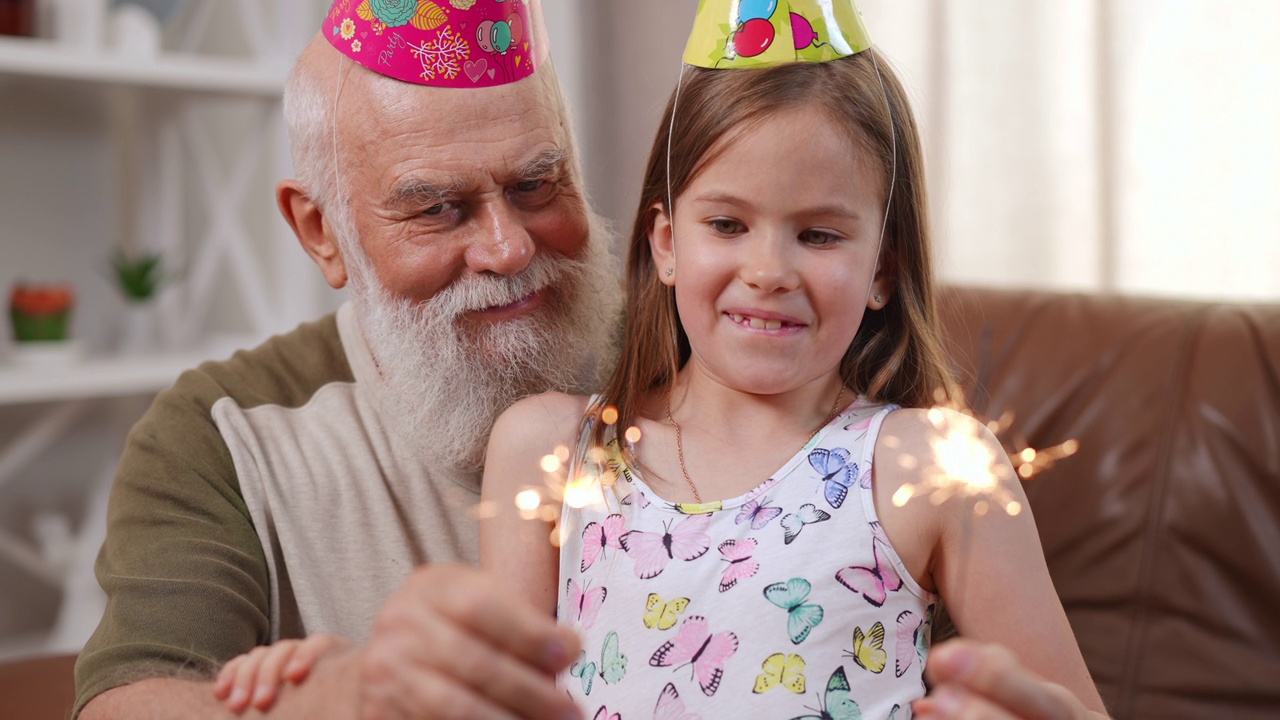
<point x="539" y="423"/>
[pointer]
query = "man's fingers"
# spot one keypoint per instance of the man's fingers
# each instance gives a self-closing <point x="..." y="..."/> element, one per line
<point x="446" y="700"/>
<point x="470" y="662"/>
<point x="951" y="702"/>
<point x="485" y="607"/>
<point x="992" y="672"/>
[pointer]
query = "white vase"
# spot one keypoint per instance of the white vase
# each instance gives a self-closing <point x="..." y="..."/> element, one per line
<point x="140" y="328"/>
<point x="81" y="24"/>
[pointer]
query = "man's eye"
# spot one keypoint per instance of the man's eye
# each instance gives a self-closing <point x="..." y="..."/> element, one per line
<point x="435" y="209"/>
<point x="528" y="186"/>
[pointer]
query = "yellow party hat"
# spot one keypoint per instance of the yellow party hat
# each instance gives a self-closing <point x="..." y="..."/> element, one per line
<point x="763" y="33"/>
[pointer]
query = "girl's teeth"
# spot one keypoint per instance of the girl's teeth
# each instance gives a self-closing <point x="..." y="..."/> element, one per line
<point x="756" y="323"/>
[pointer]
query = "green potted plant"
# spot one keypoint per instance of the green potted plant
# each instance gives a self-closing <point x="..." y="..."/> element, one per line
<point x="139" y="277"/>
<point x="40" y="313"/>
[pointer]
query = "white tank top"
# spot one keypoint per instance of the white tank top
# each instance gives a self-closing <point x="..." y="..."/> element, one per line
<point x="786" y="602"/>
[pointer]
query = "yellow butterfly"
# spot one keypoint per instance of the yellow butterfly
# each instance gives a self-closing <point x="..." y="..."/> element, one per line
<point x="868" y="650"/>
<point x="662" y="614"/>
<point x="787" y="670"/>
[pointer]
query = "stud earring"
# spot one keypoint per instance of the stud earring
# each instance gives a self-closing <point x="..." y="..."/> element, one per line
<point x="879" y="299"/>
<point x="670" y="272"/>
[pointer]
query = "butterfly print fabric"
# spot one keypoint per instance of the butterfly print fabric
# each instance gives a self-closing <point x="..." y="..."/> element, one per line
<point x="787" y="601"/>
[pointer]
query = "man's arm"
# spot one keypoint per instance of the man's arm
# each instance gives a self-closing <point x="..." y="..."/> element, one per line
<point x="474" y="653"/>
<point x="183" y="569"/>
<point x="331" y="692"/>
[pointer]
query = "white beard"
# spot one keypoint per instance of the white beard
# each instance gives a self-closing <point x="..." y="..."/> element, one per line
<point x="445" y="381"/>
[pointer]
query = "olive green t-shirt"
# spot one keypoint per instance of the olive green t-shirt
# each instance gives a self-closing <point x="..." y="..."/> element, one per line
<point x="264" y="497"/>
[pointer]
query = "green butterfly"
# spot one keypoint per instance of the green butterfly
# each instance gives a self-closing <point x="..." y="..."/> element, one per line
<point x="790" y="596"/>
<point x="836" y="704"/>
<point x="612" y="667"/>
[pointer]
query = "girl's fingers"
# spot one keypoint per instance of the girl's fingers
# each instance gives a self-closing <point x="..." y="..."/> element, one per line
<point x="308" y="654"/>
<point x="270" y="672"/>
<point x="222" y="686"/>
<point x="245" y="677"/>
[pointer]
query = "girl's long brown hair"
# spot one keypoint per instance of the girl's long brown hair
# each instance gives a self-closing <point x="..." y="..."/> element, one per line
<point x="897" y="354"/>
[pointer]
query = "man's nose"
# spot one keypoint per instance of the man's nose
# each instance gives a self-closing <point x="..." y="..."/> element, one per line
<point x="766" y="264"/>
<point x="502" y="245"/>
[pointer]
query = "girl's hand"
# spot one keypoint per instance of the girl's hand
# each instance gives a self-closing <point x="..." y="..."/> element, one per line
<point x="254" y="679"/>
<point x="983" y="680"/>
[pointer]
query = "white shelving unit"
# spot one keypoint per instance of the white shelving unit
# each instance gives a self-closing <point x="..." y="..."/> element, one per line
<point x="189" y="203"/>
<point x="170" y="71"/>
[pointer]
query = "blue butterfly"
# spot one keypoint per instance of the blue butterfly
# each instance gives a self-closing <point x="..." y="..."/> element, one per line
<point x="838" y="474"/>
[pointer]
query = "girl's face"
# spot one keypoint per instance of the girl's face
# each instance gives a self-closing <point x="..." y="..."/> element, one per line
<point x="774" y="253"/>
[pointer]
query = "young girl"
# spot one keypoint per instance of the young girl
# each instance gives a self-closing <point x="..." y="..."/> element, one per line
<point x="731" y="544"/>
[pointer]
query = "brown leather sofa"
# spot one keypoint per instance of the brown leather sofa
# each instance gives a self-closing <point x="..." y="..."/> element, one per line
<point x="1163" y="533"/>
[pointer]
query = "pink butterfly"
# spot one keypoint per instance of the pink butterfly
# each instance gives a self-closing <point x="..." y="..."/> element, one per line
<point x="688" y="540"/>
<point x="696" y="645"/>
<point x="598" y="536"/>
<point x="741" y="564"/>
<point x="875" y="583"/>
<point x="671" y="707"/>
<point x="584" y="606"/>
<point x="908" y="625"/>
<point x="603" y="714"/>
<point x="757" y="513"/>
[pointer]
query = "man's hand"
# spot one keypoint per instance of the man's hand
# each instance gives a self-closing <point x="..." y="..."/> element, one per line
<point x="977" y="680"/>
<point x="454" y="644"/>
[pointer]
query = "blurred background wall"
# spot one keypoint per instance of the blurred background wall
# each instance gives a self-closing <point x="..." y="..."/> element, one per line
<point x="1094" y="145"/>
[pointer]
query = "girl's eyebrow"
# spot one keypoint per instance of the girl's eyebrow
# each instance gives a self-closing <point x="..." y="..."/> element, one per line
<point x="828" y="210"/>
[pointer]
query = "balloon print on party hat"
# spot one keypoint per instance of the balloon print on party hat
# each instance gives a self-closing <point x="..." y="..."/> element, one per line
<point x="763" y="33"/>
<point x="441" y="43"/>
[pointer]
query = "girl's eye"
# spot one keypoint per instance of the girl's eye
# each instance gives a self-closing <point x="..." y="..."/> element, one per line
<point x="726" y="227"/>
<point x="817" y="237"/>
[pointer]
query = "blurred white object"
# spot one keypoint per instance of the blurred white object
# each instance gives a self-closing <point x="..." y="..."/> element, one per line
<point x="45" y="353"/>
<point x="133" y="31"/>
<point x="79" y="23"/>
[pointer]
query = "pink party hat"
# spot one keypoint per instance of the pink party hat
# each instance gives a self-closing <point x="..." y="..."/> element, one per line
<point x="763" y="33"/>
<point x="441" y="43"/>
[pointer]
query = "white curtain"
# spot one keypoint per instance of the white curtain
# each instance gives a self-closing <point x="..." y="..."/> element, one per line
<point x="1099" y="145"/>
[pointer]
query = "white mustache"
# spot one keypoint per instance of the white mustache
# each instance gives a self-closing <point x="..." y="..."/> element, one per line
<point x="481" y="292"/>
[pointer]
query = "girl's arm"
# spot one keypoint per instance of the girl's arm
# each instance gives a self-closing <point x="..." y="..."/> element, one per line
<point x="516" y="547"/>
<point x="989" y="568"/>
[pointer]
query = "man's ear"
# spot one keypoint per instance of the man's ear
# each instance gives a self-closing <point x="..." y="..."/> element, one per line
<point x="662" y="244"/>
<point x="885" y="282"/>
<point x="308" y="223"/>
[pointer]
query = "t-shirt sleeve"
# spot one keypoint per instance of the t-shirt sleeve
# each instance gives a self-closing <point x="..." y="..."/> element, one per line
<point x="184" y="573"/>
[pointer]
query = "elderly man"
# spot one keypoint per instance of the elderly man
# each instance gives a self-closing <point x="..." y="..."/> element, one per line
<point x="296" y="487"/>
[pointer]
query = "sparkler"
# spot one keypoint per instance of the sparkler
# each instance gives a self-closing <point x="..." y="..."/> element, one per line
<point x="964" y="464"/>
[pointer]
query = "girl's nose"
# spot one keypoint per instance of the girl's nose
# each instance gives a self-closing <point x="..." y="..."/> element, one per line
<point x="767" y="266"/>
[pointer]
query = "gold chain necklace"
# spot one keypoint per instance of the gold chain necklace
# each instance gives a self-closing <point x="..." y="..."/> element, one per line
<point x="835" y="409"/>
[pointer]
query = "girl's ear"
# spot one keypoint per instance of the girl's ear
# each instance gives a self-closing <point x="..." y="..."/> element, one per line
<point x="662" y="244"/>
<point x="884" y="283"/>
